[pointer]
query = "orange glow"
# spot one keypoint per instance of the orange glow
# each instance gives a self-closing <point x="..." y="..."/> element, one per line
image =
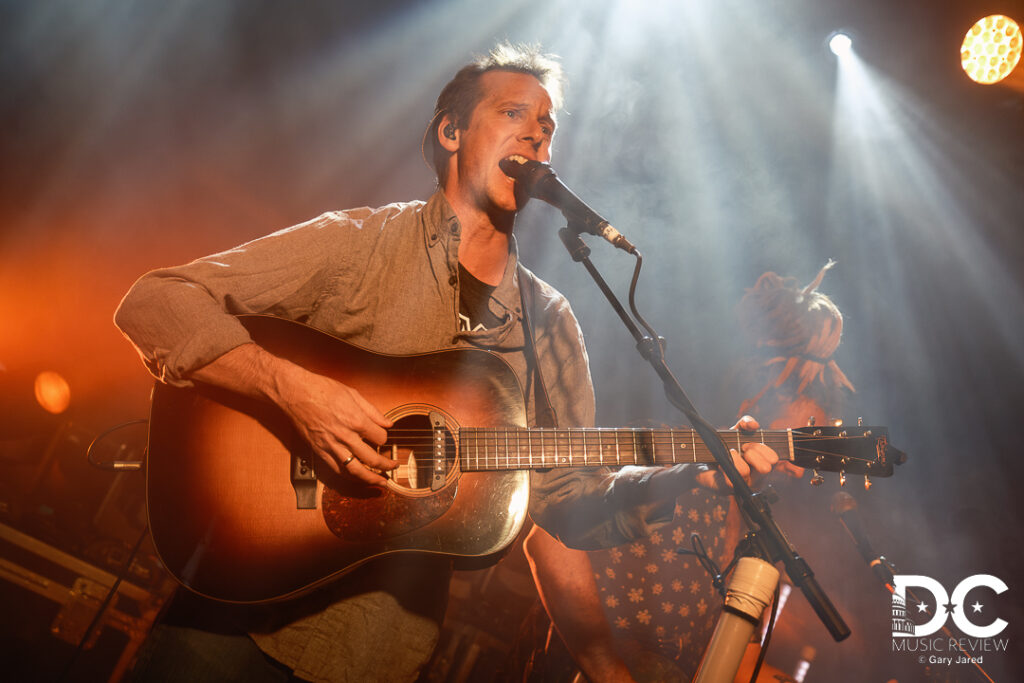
<point x="52" y="392"/>
<point x="991" y="49"/>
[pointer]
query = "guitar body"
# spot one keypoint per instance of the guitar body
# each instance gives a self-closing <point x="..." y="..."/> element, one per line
<point x="224" y="511"/>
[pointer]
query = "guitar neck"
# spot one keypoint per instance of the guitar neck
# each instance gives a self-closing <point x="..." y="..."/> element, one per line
<point x="516" y="448"/>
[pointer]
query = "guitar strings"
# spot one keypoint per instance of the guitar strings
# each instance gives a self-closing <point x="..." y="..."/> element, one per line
<point x="638" y="442"/>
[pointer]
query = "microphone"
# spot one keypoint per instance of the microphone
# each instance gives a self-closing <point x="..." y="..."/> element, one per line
<point x="845" y="507"/>
<point x="538" y="180"/>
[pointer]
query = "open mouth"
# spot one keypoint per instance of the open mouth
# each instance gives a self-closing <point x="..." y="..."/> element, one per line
<point x="514" y="167"/>
<point x="512" y="159"/>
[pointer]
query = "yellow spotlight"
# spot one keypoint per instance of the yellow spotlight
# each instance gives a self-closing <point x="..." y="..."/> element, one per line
<point x="991" y="49"/>
<point x="52" y="392"/>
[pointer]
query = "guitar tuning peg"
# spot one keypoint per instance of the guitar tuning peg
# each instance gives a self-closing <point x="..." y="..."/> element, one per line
<point x="837" y="422"/>
<point x="811" y="420"/>
<point x="816" y="478"/>
<point x="860" y="421"/>
<point x="842" y="477"/>
<point x="867" y="483"/>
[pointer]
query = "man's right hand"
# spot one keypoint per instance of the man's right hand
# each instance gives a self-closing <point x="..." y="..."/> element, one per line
<point x="335" y="419"/>
<point x="337" y="422"/>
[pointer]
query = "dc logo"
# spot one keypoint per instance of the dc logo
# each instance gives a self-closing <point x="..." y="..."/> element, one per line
<point x="944" y="606"/>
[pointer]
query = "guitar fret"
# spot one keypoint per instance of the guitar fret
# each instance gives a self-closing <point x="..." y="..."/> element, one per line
<point x="672" y="440"/>
<point x="693" y="442"/>
<point x="463" y="444"/>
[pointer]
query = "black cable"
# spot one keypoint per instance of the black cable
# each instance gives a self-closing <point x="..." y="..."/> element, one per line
<point x="114" y="464"/>
<point x="767" y="634"/>
<point x="710" y="566"/>
<point x="632" y="302"/>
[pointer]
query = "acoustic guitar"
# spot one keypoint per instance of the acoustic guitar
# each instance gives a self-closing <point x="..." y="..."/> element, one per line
<point x="240" y="512"/>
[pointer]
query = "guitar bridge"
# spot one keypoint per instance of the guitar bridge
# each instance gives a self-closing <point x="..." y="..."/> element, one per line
<point x="439" y="467"/>
<point x="304" y="482"/>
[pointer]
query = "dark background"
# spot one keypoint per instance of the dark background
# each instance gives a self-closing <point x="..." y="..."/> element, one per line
<point x="722" y="137"/>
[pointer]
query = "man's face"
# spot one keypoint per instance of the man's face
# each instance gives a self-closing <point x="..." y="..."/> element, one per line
<point x="513" y="117"/>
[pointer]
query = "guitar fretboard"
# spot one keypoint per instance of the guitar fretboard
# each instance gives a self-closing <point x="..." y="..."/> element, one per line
<point x="516" y="448"/>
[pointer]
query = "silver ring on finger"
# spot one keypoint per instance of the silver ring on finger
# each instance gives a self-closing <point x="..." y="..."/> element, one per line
<point x="346" y="461"/>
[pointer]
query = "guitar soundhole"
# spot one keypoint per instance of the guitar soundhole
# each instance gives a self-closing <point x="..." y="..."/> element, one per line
<point x="411" y="441"/>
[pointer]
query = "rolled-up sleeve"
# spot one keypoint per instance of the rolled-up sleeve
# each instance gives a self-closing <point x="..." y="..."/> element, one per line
<point x="182" y="318"/>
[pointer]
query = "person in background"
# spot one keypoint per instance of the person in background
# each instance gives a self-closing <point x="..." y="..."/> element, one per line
<point x="642" y="611"/>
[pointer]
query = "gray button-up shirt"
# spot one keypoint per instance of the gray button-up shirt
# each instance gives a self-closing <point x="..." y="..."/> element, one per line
<point x="386" y="279"/>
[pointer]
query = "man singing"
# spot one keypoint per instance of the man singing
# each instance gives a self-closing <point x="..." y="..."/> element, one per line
<point x="401" y="279"/>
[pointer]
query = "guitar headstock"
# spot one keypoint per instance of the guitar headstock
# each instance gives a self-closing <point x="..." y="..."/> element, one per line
<point x="846" y="450"/>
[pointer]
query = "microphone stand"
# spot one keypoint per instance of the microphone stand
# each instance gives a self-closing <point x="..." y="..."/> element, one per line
<point x="769" y="539"/>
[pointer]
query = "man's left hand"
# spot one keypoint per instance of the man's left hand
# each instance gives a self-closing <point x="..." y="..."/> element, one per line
<point x="752" y="457"/>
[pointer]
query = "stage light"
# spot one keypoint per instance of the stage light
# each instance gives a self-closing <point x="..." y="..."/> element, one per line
<point x="52" y="392"/>
<point x="991" y="49"/>
<point x="840" y="43"/>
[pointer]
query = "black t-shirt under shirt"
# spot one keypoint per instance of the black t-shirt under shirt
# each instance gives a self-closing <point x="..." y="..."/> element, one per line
<point x="474" y="295"/>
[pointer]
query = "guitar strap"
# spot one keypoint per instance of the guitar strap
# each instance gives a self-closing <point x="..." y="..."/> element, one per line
<point x="543" y="412"/>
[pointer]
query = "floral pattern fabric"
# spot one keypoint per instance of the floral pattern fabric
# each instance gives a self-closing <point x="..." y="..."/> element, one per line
<point x="659" y="598"/>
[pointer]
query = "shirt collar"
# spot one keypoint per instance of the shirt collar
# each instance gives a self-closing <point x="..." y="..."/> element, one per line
<point x="442" y="232"/>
